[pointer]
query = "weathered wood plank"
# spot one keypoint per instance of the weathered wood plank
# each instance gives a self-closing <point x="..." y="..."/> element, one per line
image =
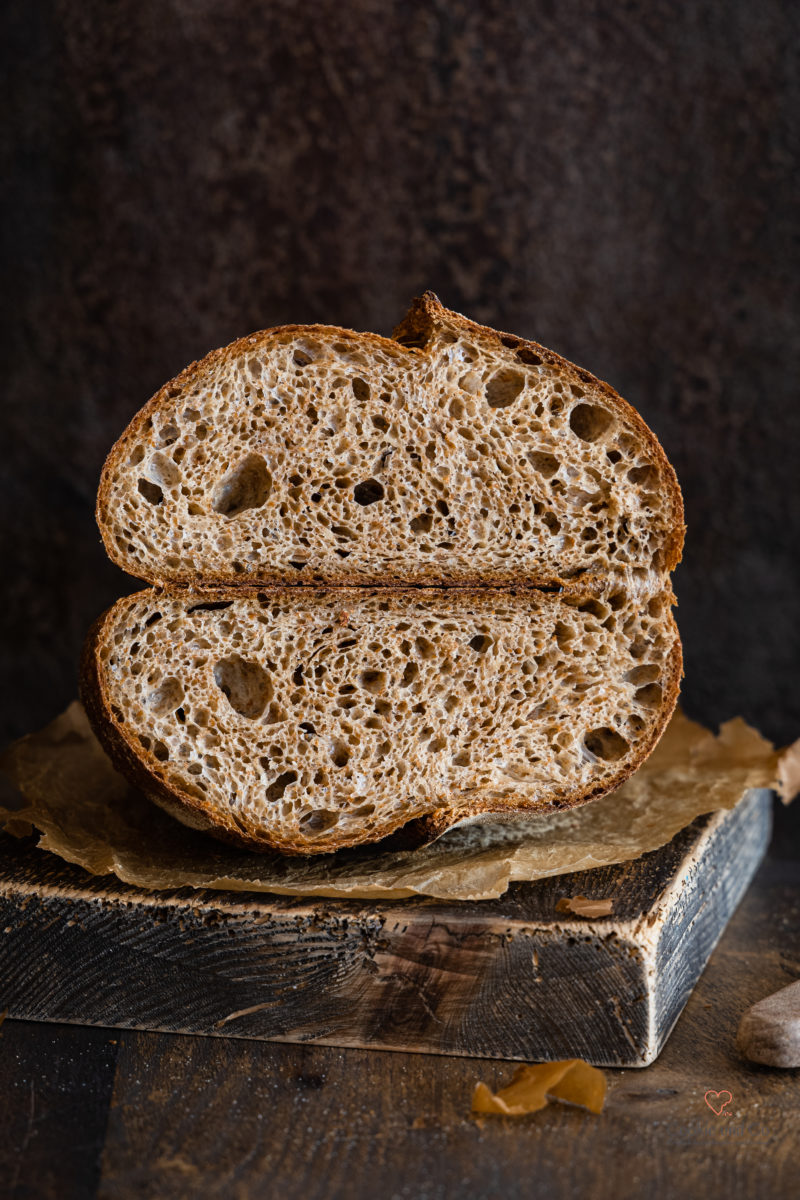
<point x="508" y="978"/>
<point x="197" y="1118"/>
<point x="55" y="1090"/>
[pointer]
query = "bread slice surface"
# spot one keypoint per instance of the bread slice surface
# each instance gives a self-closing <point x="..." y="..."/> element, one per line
<point x="307" y="720"/>
<point x="450" y="454"/>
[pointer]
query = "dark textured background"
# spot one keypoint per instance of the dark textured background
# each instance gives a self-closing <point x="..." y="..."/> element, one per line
<point x="618" y="181"/>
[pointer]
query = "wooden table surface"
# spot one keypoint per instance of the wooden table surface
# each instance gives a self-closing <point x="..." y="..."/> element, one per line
<point x="91" y="1112"/>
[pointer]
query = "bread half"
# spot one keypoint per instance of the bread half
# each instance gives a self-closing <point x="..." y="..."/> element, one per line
<point x="450" y="454"/>
<point x="307" y="720"/>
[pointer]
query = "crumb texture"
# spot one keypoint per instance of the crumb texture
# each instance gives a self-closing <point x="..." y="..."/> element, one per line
<point x="312" y="725"/>
<point x="451" y="455"/>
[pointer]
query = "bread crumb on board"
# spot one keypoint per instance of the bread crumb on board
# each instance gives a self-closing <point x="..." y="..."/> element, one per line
<point x="533" y="1087"/>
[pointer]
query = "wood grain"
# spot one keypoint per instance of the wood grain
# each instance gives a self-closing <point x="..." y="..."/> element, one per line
<point x="510" y="978"/>
<point x="55" y="1090"/>
<point x="215" y="1118"/>
<point x="200" y="1117"/>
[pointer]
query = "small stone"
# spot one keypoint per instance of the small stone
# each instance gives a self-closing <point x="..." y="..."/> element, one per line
<point x="769" y="1032"/>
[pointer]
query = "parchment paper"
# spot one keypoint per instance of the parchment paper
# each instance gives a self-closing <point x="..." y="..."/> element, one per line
<point x="60" y="783"/>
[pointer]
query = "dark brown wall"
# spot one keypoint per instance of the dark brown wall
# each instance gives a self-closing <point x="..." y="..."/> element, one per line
<point x="615" y="180"/>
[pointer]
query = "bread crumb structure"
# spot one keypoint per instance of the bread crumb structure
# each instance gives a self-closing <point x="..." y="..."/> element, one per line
<point x="408" y="579"/>
<point x="335" y="721"/>
<point x="450" y="455"/>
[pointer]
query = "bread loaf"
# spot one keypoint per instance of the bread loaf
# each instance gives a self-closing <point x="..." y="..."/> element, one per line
<point x="307" y="720"/>
<point x="482" y="534"/>
<point x="451" y="454"/>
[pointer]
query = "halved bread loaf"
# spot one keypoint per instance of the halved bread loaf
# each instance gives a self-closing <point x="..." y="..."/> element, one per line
<point x="308" y="720"/>
<point x="451" y="454"/>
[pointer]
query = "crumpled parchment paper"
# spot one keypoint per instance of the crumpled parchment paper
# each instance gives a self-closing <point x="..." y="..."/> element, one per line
<point x="60" y="783"/>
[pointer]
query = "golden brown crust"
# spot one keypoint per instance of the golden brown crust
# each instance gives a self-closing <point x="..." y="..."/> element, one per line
<point x="143" y="771"/>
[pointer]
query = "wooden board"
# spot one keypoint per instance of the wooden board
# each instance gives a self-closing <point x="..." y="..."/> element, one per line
<point x="509" y="978"/>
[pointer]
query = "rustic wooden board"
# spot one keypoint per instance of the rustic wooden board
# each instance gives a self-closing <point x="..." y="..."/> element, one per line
<point x="508" y="978"/>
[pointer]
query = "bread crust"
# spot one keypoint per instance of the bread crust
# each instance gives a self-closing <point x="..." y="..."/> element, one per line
<point x="426" y="314"/>
<point x="141" y="768"/>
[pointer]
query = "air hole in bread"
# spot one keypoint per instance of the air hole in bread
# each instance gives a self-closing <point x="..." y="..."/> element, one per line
<point x="368" y="492"/>
<point x="339" y="752"/>
<point x="564" y="634"/>
<point x="425" y="649"/>
<point x="606" y="744"/>
<point x="161" y="752"/>
<point x="589" y="421"/>
<point x="165" y="698"/>
<point x="169" y="434"/>
<point x="278" y="787"/>
<point x="246" y="685"/>
<point x="504" y="387"/>
<point x="366" y="810"/>
<point x="469" y="383"/>
<point x="373" y="681"/>
<point x="594" y="608"/>
<point x="480" y="643"/>
<point x="421" y="524"/>
<point x="151" y="491"/>
<point x="247" y="486"/>
<point x="209" y="606"/>
<point x="646" y="475"/>
<point x="318" y="820"/>
<point x="650" y="695"/>
<point x="545" y="464"/>
<point x="647" y="673"/>
<point x="524" y="354"/>
<point x="410" y="673"/>
<point x="164" y="471"/>
<point x="360" y="389"/>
